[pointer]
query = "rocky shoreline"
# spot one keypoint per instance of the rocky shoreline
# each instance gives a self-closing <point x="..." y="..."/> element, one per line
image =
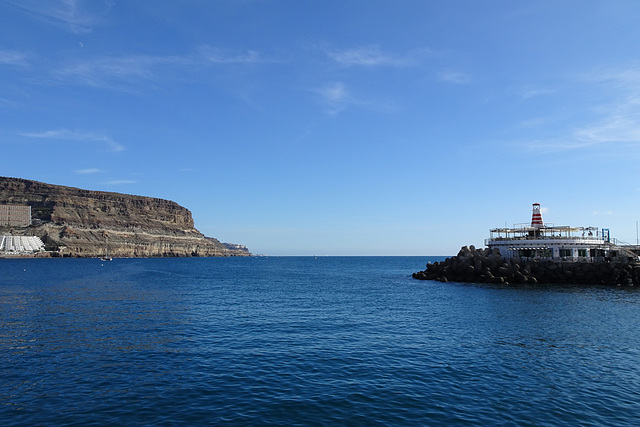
<point x="486" y="266"/>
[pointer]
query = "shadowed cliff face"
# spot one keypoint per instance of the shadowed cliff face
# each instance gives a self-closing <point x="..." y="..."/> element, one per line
<point x="81" y="222"/>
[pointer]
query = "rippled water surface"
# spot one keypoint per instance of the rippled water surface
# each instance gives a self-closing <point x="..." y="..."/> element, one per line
<point x="306" y="341"/>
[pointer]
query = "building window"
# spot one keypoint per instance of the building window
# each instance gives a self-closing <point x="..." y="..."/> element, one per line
<point x="565" y="252"/>
<point x="544" y="253"/>
<point x="582" y="252"/>
<point x="525" y="253"/>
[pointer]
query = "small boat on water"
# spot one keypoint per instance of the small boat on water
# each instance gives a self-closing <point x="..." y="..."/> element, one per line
<point x="540" y="240"/>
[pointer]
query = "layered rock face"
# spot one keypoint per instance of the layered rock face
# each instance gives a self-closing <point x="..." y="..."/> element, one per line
<point x="87" y="223"/>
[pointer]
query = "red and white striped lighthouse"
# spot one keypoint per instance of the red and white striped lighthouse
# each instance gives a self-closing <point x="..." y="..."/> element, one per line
<point x="536" y="218"/>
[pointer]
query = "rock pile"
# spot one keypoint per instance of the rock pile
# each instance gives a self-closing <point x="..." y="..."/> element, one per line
<point x="487" y="266"/>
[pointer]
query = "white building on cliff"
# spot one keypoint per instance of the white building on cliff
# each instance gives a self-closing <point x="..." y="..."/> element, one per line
<point x="15" y="215"/>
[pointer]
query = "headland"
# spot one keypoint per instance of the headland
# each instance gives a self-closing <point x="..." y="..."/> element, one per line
<point x="73" y="222"/>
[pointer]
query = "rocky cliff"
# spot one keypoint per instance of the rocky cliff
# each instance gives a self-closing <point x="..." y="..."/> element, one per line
<point x="76" y="222"/>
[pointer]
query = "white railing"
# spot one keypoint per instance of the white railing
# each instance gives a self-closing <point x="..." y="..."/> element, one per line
<point x="556" y="239"/>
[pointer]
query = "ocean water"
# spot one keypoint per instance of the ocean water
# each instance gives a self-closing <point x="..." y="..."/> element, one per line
<point x="307" y="341"/>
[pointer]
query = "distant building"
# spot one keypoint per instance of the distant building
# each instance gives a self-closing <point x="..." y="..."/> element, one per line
<point x="20" y="244"/>
<point x="15" y="215"/>
<point x="235" y="246"/>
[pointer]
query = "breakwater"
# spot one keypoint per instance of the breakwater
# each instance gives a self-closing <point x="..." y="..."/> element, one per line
<point x="487" y="266"/>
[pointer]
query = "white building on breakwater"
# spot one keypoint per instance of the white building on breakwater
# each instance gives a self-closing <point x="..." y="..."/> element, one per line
<point x="540" y="240"/>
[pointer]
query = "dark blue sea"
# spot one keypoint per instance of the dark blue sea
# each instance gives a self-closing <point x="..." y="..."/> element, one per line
<point x="351" y="341"/>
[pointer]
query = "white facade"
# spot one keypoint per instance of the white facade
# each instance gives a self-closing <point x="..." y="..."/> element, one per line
<point x="545" y="241"/>
<point x="551" y="243"/>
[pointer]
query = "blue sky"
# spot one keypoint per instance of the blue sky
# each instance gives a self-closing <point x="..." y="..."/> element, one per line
<point x="333" y="127"/>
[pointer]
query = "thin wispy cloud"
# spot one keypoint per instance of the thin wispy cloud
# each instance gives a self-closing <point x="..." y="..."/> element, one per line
<point x="75" y="135"/>
<point x="214" y="55"/>
<point x="102" y="70"/>
<point x="454" y="77"/>
<point x="88" y="171"/>
<point x="368" y="56"/>
<point x="534" y="91"/>
<point x="619" y="119"/>
<point x="611" y="130"/>
<point x="132" y="69"/>
<point x="338" y="97"/>
<point x="627" y="78"/>
<point x="14" y="58"/>
<point x="614" y="121"/>
<point x="335" y="95"/>
<point x="614" y="128"/>
<point x="76" y="16"/>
